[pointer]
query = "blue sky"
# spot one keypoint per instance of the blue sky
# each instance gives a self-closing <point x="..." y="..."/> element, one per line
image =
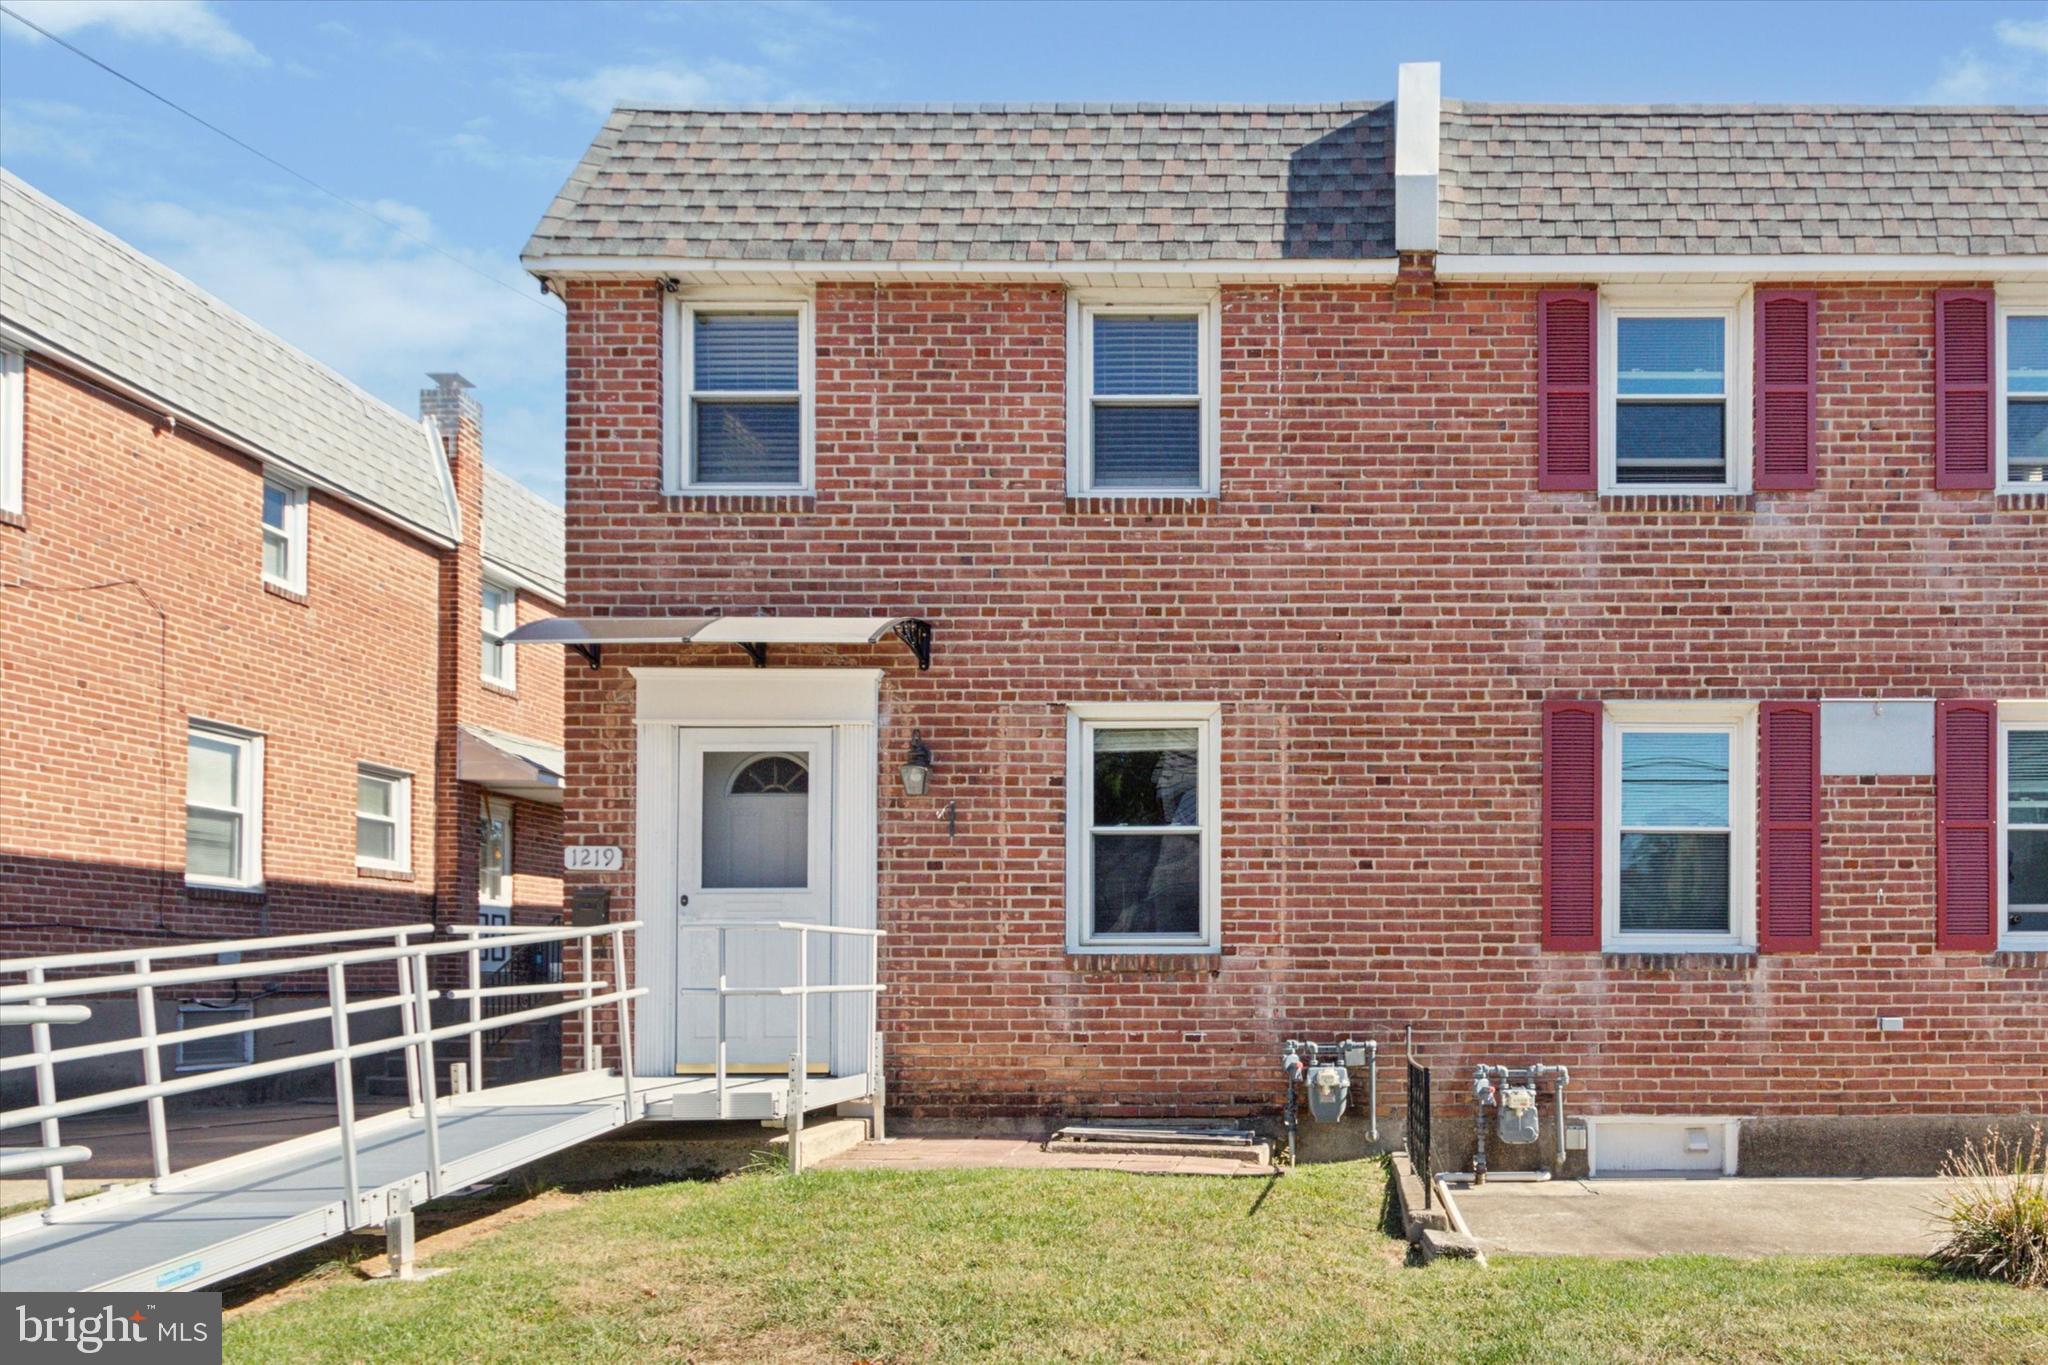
<point x="456" y="122"/>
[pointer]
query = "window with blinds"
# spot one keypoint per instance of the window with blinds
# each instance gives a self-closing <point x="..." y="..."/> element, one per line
<point x="1143" y="423"/>
<point x="2025" y="413"/>
<point x="2026" y="830"/>
<point x="744" y="423"/>
<point x="1671" y="400"/>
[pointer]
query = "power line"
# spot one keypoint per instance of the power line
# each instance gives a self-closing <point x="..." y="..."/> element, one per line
<point x="264" y="156"/>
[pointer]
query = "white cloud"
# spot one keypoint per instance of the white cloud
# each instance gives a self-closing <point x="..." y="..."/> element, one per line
<point x="191" y="24"/>
<point x="474" y="145"/>
<point x="2032" y="34"/>
<point x="713" y="82"/>
<point x="380" y="309"/>
<point x="2014" y="72"/>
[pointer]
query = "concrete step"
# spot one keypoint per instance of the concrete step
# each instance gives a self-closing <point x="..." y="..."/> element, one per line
<point x="1141" y="1139"/>
<point x="823" y="1139"/>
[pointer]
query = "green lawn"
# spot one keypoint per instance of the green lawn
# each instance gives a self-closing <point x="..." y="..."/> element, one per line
<point x="1055" y="1265"/>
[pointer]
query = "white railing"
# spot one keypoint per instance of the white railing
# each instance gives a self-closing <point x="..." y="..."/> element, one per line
<point x="416" y="1034"/>
<point x="802" y="992"/>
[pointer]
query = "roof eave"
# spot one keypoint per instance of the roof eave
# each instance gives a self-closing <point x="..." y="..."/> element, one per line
<point x="727" y="269"/>
<point x="1675" y="268"/>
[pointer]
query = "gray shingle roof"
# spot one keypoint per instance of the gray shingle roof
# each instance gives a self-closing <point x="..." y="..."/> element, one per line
<point x="1662" y="180"/>
<point x="523" y="532"/>
<point x="1114" y="182"/>
<point x="83" y="292"/>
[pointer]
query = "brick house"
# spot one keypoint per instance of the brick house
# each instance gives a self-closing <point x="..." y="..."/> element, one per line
<point x="1569" y="582"/>
<point x="249" y="623"/>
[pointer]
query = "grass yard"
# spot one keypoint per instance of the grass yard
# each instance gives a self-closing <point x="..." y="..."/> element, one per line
<point x="1058" y="1265"/>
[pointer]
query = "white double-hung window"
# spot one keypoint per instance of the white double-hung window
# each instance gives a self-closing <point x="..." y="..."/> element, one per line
<point x="2023" y="826"/>
<point x="383" y="819"/>
<point x="739" y="375"/>
<point x="1674" y="414"/>
<point x="1142" y="413"/>
<point x="500" y="618"/>
<point x="1680" y="854"/>
<point x="13" y="388"/>
<point x="2023" y="398"/>
<point x="223" y="806"/>
<point x="284" y="535"/>
<point x="1143" y="817"/>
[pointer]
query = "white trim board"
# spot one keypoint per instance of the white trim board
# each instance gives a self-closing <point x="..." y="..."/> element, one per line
<point x="1674" y="269"/>
<point x="757" y="696"/>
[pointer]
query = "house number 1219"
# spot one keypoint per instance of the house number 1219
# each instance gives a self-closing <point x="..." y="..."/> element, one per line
<point x="593" y="858"/>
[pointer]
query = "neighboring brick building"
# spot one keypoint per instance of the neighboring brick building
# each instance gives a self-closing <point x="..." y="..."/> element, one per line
<point x="1305" y="502"/>
<point x="241" y="629"/>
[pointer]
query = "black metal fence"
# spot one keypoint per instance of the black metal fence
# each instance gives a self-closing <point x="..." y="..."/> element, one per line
<point x="1418" y="1131"/>
<point x="532" y="964"/>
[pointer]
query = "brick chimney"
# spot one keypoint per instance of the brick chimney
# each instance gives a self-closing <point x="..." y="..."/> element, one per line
<point x="459" y="662"/>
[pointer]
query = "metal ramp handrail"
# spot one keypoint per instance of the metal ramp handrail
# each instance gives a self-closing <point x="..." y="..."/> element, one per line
<point x="799" y="1063"/>
<point x="416" y="1034"/>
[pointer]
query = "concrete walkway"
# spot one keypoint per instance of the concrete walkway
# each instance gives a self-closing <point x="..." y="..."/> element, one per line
<point x="1728" y="1217"/>
<point x="938" y="1153"/>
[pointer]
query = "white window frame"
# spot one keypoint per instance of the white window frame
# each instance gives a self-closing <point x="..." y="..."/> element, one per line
<point x="400" y="818"/>
<point x="496" y="625"/>
<point x="2012" y="716"/>
<point x="1733" y="308"/>
<point x="250" y="854"/>
<point x="1083" y="720"/>
<point x="244" y="1042"/>
<point x="294" y="532"/>
<point x="1083" y="307"/>
<point x="679" y="369"/>
<point x="2023" y="303"/>
<point x="13" y="395"/>
<point x="1738" y="720"/>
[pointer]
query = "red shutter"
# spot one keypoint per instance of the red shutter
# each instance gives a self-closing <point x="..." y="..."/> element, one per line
<point x="1566" y="384"/>
<point x="1571" y="825"/>
<point x="1788" y="912"/>
<point x="1787" y="364"/>
<point x="1965" y="365"/>
<point x="1965" y="824"/>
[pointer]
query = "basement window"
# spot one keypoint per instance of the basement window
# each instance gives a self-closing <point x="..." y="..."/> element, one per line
<point x="1142" y="401"/>
<point x="2023" y="833"/>
<point x="284" y="536"/>
<point x="1680" y="792"/>
<point x="218" y="1053"/>
<point x="742" y="369"/>
<point x="2023" y="401"/>
<point x="1143" y="818"/>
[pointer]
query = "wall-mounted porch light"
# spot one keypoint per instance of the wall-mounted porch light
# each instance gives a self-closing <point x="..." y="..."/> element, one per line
<point x="917" y="770"/>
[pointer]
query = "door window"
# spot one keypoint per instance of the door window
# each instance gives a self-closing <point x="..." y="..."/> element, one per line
<point x="756" y="822"/>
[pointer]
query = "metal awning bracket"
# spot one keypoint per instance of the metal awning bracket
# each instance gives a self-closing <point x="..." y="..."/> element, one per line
<point x="592" y="654"/>
<point x="756" y="651"/>
<point x="917" y="633"/>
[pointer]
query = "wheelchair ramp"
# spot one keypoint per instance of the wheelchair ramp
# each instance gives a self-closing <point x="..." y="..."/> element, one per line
<point x="217" y="1220"/>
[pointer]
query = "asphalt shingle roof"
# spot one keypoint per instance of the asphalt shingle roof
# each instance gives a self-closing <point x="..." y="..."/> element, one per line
<point x="523" y="532"/>
<point x="1008" y="183"/>
<point x="84" y="292"/>
<point x="1663" y="180"/>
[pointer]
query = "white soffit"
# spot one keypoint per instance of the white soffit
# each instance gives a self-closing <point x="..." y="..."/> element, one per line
<point x="589" y="634"/>
<point x="1692" y="269"/>
<point x="1073" y="274"/>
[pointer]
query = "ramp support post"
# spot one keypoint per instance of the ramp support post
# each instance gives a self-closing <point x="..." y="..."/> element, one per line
<point x="793" y="1121"/>
<point x="878" y="1090"/>
<point x="398" y="1236"/>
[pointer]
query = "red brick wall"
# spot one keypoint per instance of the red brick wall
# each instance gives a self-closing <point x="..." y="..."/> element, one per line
<point x="126" y="518"/>
<point x="1382" y="600"/>
<point x="98" y="686"/>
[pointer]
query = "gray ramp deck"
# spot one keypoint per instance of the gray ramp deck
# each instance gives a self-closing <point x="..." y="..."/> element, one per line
<point x="217" y="1220"/>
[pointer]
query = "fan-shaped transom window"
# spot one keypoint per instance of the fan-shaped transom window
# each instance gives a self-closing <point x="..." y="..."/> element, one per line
<point x="771" y="774"/>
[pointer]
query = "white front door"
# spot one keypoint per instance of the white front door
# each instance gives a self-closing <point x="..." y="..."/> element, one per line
<point x="754" y="844"/>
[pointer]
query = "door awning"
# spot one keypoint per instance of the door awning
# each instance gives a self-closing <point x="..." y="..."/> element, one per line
<point x="588" y="635"/>
<point x="511" y="764"/>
